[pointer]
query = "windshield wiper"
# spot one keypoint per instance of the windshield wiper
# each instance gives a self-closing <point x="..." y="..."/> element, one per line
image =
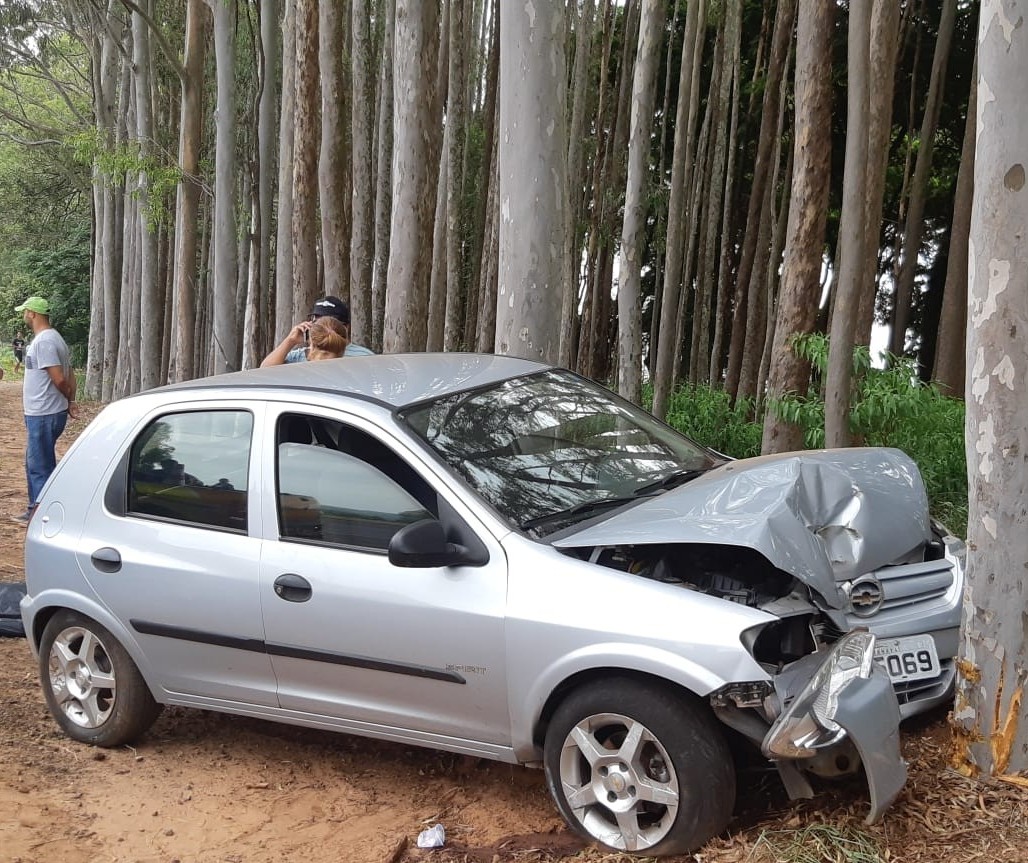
<point x="585" y="506"/>
<point x="671" y="480"/>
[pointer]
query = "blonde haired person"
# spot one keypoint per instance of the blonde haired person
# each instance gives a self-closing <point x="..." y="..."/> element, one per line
<point x="328" y="339"/>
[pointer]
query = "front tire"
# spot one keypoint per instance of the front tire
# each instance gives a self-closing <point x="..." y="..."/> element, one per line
<point x="639" y="768"/>
<point x="93" y="688"/>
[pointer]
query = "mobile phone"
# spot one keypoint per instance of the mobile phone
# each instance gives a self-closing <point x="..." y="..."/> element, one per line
<point x="306" y="335"/>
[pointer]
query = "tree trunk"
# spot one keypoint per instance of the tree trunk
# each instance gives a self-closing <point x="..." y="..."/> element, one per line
<point x="489" y="274"/>
<point x="149" y="306"/>
<point x="407" y="284"/>
<point x="576" y="133"/>
<point x="333" y="191"/>
<point x="885" y="33"/>
<point x="266" y="170"/>
<point x="805" y="234"/>
<point x="306" y="141"/>
<point x="284" y="263"/>
<point x="780" y="41"/>
<point x="949" y="371"/>
<point x="682" y="172"/>
<point x="852" y="278"/>
<point x="187" y="211"/>
<point x="226" y="319"/>
<point x="725" y="96"/>
<point x="990" y="716"/>
<point x="651" y="27"/>
<point x="437" y="281"/>
<point x="384" y="184"/>
<point x="913" y="230"/>
<point x="533" y="164"/>
<point x="481" y="223"/>
<point x="454" y="156"/>
<point x="362" y="219"/>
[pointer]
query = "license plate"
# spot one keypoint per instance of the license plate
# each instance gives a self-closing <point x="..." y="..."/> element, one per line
<point x="910" y="658"/>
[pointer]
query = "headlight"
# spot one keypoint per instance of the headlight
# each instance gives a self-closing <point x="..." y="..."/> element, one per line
<point x="808" y="723"/>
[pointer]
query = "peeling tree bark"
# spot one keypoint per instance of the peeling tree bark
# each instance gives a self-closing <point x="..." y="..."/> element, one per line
<point x="989" y="717"/>
<point x="533" y="159"/>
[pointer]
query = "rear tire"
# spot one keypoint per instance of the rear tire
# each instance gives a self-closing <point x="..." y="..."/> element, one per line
<point x="639" y="767"/>
<point x="93" y="688"/>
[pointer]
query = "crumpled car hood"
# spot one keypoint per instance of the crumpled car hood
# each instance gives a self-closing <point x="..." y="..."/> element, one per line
<point x="824" y="516"/>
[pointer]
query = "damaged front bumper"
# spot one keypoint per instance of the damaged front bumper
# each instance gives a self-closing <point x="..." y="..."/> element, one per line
<point x="830" y="712"/>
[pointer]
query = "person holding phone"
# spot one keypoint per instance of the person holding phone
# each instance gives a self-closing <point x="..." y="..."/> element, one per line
<point x="294" y="347"/>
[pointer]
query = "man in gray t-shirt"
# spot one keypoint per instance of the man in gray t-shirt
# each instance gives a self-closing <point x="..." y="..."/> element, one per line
<point x="48" y="397"/>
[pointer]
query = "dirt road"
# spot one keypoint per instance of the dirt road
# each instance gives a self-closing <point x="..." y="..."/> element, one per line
<point x="205" y="787"/>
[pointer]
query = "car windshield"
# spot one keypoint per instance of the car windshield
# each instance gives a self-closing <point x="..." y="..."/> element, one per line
<point x="550" y="449"/>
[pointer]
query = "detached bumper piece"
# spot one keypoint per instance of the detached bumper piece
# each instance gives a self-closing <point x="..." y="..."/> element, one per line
<point x="844" y="702"/>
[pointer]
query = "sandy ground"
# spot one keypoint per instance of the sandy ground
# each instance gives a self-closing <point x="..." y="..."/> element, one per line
<point x="205" y="787"/>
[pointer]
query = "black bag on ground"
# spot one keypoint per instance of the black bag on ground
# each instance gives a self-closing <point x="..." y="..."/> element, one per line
<point x="10" y="609"/>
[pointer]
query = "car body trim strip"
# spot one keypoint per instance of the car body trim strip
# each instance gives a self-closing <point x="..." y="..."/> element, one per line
<point x="182" y="633"/>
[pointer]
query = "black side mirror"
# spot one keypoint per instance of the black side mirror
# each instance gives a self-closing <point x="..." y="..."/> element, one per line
<point x="424" y="543"/>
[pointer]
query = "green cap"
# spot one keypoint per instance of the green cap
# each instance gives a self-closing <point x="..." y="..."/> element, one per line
<point x="34" y="304"/>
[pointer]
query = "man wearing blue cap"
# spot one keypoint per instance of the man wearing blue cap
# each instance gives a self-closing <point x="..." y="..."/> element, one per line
<point x="48" y="396"/>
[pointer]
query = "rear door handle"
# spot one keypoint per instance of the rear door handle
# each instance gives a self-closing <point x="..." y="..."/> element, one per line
<point x="292" y="587"/>
<point x="106" y="559"/>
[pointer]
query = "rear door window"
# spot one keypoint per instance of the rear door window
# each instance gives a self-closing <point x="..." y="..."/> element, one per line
<point x="192" y="467"/>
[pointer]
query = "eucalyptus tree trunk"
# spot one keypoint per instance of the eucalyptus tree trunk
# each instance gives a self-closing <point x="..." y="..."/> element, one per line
<point x="266" y="167"/>
<point x="123" y="208"/>
<point x="852" y="238"/>
<point x="362" y="219"/>
<point x="456" y="89"/>
<point x="489" y="273"/>
<point x="576" y="133"/>
<point x="437" y="281"/>
<point x="333" y="190"/>
<point x="949" y="370"/>
<point x="284" y="236"/>
<point x="104" y="59"/>
<point x="713" y="220"/>
<point x="682" y="170"/>
<point x="767" y="259"/>
<point x="913" y="230"/>
<point x="187" y="210"/>
<point x="414" y="100"/>
<point x="780" y="42"/>
<point x="226" y="323"/>
<point x="651" y="27"/>
<point x="150" y="312"/>
<point x="990" y="716"/>
<point x="805" y="233"/>
<point x="481" y="220"/>
<point x="885" y="39"/>
<point x="437" y="272"/>
<point x="306" y="139"/>
<point x="533" y="163"/>
<point x="384" y="184"/>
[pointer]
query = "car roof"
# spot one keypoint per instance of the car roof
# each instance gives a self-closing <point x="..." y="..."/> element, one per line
<point x="394" y="380"/>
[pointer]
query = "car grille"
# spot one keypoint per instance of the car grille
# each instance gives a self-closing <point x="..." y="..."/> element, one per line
<point x="914" y="583"/>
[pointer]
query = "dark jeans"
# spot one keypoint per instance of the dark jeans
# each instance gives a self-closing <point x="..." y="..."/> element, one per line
<point x="40" y="458"/>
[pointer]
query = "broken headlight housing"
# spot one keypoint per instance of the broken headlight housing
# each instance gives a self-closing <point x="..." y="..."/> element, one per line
<point x="808" y="723"/>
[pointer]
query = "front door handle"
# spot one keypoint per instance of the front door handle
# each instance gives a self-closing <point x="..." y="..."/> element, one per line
<point x="106" y="559"/>
<point x="292" y="587"/>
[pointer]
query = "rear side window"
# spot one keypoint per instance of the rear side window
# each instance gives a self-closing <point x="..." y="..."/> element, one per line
<point x="192" y="467"/>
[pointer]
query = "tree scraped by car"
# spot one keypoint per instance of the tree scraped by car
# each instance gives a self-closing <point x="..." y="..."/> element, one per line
<point x="497" y="558"/>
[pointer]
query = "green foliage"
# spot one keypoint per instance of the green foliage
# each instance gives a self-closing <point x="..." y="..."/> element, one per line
<point x="61" y="274"/>
<point x="707" y="415"/>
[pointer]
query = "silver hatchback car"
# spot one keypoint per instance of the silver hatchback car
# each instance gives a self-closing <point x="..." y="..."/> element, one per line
<point x="497" y="558"/>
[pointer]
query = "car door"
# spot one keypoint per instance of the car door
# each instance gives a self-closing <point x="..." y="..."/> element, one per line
<point x="169" y="551"/>
<point x="405" y="652"/>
